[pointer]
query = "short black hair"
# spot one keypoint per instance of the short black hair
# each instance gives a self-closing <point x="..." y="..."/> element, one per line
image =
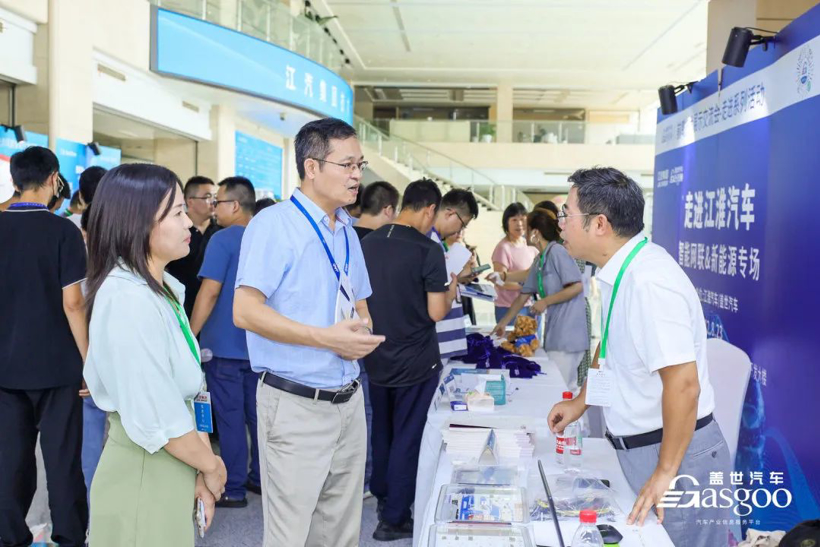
<point x="547" y="204"/>
<point x="420" y="194"/>
<point x="313" y="140"/>
<point x="30" y="168"/>
<point x="377" y="196"/>
<point x="263" y="203"/>
<point x="194" y="183"/>
<point x="609" y="192"/>
<point x="241" y="189"/>
<point x="461" y="200"/>
<point x="512" y="210"/>
<point x="89" y="180"/>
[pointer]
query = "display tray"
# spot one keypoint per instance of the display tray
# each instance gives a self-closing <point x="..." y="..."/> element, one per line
<point x="490" y="475"/>
<point x="479" y="535"/>
<point x="463" y="503"/>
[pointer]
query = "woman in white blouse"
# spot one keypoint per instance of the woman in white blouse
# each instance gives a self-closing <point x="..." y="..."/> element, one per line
<point x="143" y="367"/>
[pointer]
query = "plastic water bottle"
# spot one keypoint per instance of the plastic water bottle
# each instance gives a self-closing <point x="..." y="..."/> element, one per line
<point x="559" y="437"/>
<point x="587" y="534"/>
<point x="573" y="447"/>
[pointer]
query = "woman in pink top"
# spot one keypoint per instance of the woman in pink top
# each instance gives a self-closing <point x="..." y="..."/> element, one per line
<point x="512" y="254"/>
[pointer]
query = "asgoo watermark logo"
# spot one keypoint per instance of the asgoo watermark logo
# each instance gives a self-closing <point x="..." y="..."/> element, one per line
<point x="805" y="71"/>
<point x="741" y="500"/>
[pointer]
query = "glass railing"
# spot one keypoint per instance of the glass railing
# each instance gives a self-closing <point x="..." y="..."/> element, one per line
<point x="268" y="20"/>
<point x="425" y="161"/>
<point x="517" y="131"/>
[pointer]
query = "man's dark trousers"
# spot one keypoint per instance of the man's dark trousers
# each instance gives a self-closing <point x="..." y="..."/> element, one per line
<point x="232" y="385"/>
<point x="399" y="416"/>
<point x="57" y="414"/>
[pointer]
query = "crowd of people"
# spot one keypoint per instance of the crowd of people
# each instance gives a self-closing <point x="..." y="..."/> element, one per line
<point x="315" y="339"/>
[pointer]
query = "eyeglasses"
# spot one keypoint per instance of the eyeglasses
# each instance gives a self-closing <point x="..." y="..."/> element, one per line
<point x="347" y="166"/>
<point x="207" y="197"/>
<point x="563" y="216"/>
<point x="463" y="224"/>
<point x="216" y="202"/>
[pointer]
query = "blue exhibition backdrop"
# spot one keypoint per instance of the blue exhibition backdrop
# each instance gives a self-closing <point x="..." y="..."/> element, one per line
<point x="261" y="162"/>
<point x="736" y="201"/>
<point x="74" y="157"/>
<point x="200" y="51"/>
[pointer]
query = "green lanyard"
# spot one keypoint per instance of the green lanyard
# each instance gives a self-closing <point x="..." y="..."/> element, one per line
<point x="629" y="258"/>
<point x="540" y="274"/>
<point x="186" y="330"/>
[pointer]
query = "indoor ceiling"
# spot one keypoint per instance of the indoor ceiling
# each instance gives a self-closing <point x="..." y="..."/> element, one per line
<point x="591" y="53"/>
<point x="527" y="97"/>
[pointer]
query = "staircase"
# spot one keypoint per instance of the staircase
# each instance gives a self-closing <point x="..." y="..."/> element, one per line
<point x="411" y="160"/>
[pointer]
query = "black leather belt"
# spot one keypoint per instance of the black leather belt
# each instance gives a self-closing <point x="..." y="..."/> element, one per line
<point x="646" y="439"/>
<point x="334" y="397"/>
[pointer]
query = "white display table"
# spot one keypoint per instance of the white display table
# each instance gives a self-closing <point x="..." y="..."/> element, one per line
<point x="533" y="399"/>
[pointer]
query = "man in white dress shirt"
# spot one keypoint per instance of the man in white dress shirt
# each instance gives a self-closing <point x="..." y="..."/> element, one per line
<point x="659" y="401"/>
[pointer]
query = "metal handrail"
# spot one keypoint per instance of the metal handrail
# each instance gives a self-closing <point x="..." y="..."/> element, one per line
<point x="497" y="192"/>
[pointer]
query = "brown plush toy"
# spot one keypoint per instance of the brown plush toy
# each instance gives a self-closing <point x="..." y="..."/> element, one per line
<point x="524" y="339"/>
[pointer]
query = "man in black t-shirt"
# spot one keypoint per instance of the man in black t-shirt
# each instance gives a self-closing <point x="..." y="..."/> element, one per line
<point x="43" y="342"/>
<point x="380" y="202"/>
<point x="200" y="193"/>
<point x="409" y="280"/>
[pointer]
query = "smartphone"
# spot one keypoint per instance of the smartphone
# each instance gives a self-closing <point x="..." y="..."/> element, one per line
<point x="200" y="517"/>
<point x="476" y="271"/>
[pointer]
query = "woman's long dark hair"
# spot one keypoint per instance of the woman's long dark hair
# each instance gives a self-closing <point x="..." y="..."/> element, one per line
<point x="121" y="220"/>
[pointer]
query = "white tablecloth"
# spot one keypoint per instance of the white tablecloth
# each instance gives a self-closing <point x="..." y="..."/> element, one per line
<point x="530" y="398"/>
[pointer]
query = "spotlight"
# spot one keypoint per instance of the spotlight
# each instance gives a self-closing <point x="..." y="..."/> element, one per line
<point x="740" y="40"/>
<point x="668" y="97"/>
<point x="19" y="132"/>
<point x="95" y="148"/>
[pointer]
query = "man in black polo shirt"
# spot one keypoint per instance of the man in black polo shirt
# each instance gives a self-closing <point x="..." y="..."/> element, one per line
<point x="200" y="193"/>
<point x="43" y="342"/>
<point x="410" y="293"/>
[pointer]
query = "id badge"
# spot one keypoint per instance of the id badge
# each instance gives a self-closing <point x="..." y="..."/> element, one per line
<point x="600" y="387"/>
<point x="345" y="307"/>
<point x="202" y="411"/>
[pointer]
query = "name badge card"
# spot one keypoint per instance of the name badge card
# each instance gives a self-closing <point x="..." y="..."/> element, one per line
<point x="202" y="411"/>
<point x="600" y="386"/>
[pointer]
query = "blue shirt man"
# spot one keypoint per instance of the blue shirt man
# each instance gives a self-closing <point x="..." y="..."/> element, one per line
<point x="300" y="285"/>
<point x="231" y="381"/>
<point x="221" y="261"/>
<point x="301" y="276"/>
